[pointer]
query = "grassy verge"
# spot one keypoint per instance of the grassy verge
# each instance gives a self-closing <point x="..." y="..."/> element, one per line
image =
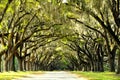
<point x="12" y="75"/>
<point x="98" y="75"/>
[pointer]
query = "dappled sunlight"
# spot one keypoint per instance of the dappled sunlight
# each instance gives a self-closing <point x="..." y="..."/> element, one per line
<point x="58" y="36"/>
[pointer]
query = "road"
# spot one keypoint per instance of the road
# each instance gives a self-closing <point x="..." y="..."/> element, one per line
<point x="56" y="75"/>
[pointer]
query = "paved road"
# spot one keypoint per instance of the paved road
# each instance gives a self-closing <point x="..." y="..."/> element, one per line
<point x="57" y="75"/>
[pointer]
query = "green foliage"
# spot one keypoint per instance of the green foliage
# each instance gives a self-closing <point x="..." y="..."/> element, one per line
<point x="2" y="47"/>
<point x="99" y="40"/>
<point x="1" y="26"/>
<point x="64" y="40"/>
<point x="10" y="10"/>
<point x="26" y="25"/>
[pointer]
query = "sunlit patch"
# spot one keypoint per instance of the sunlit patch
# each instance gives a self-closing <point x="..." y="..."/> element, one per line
<point x="64" y="1"/>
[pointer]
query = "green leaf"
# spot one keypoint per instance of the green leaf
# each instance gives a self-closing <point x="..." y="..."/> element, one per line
<point x="58" y="49"/>
<point x="99" y="40"/>
<point x="87" y="1"/>
<point x="0" y="26"/>
<point x="70" y="14"/>
<point x="49" y="0"/>
<point x="22" y="30"/>
<point x="2" y="5"/>
<point x="10" y="10"/>
<point x="2" y="47"/>
<point x="64" y="40"/>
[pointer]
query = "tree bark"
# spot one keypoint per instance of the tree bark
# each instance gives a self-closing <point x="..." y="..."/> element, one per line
<point x="118" y="67"/>
<point x="13" y="64"/>
<point x="20" y="64"/>
<point x="112" y="63"/>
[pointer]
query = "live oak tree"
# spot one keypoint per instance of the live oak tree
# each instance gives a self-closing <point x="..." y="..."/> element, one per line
<point x="25" y="28"/>
<point x="32" y="34"/>
<point x="105" y="13"/>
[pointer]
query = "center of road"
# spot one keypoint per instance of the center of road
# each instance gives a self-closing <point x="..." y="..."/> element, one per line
<point x="56" y="75"/>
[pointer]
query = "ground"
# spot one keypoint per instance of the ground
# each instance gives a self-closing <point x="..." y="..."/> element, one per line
<point x="56" y="75"/>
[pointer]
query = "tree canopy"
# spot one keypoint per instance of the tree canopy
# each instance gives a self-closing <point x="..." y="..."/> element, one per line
<point x="60" y="35"/>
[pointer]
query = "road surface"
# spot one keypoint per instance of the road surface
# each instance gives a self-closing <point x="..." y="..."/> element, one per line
<point x="57" y="75"/>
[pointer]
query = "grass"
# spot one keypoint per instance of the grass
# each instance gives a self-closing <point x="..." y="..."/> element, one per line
<point x="88" y="75"/>
<point x="98" y="75"/>
<point x="13" y="75"/>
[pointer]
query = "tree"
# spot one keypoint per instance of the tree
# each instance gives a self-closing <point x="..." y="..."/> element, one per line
<point x="99" y="14"/>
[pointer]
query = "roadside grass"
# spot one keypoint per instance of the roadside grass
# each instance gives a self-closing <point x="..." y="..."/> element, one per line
<point x="98" y="75"/>
<point x="13" y="75"/>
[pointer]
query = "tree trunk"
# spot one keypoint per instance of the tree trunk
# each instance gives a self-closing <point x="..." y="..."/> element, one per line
<point x="92" y="65"/>
<point x="27" y="67"/>
<point x="112" y="63"/>
<point x="13" y="64"/>
<point x="20" y="64"/>
<point x="6" y="66"/>
<point x="118" y="67"/>
<point x="85" y="67"/>
<point x="25" y="64"/>
<point x="101" y="65"/>
<point x="95" y="66"/>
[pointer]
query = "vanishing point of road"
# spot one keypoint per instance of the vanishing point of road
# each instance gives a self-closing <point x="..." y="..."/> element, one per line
<point x="56" y="75"/>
